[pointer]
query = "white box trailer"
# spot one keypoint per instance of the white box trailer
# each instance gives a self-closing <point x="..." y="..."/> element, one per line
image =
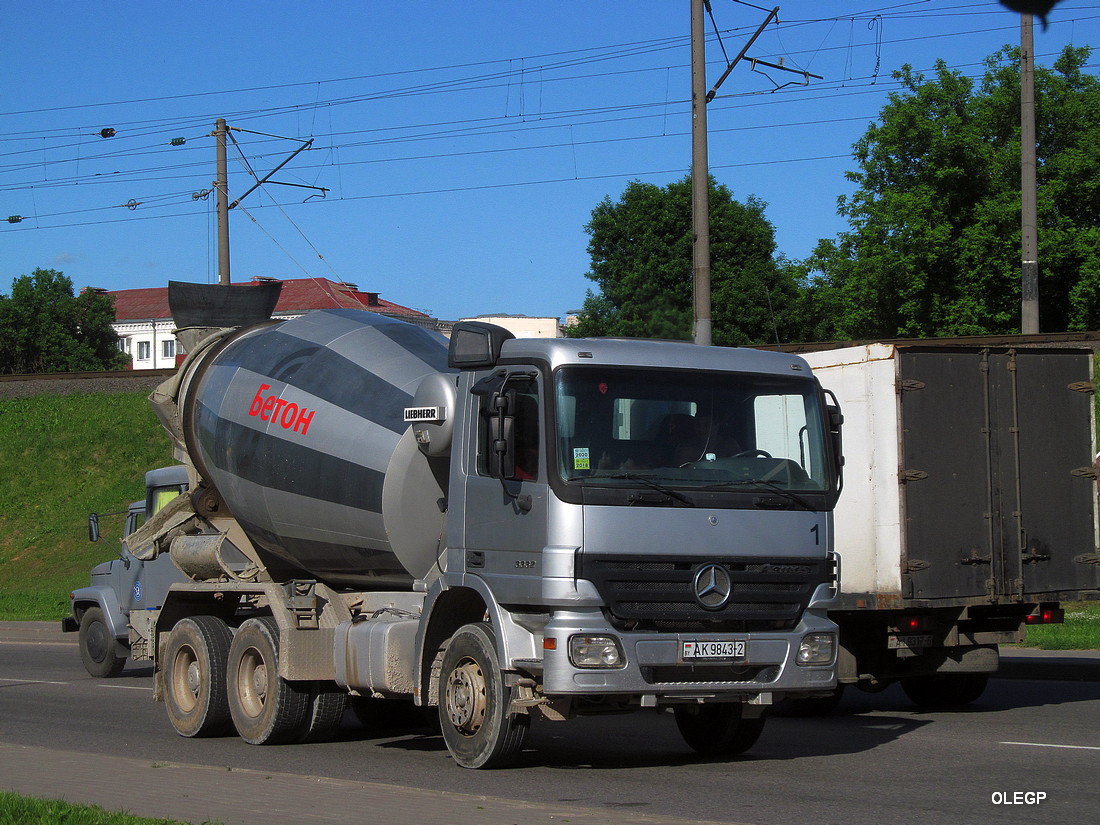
<point x="969" y="507"/>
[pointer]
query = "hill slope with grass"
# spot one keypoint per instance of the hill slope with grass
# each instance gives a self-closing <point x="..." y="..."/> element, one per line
<point x="61" y="458"/>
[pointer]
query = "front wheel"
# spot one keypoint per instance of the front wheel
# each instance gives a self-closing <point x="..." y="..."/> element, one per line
<point x="718" y="730"/>
<point x="812" y="706"/>
<point x="474" y="704"/>
<point x="98" y="648"/>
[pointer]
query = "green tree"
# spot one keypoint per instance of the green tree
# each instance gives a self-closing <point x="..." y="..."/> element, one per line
<point x="934" y="244"/>
<point x="44" y="327"/>
<point x="640" y="247"/>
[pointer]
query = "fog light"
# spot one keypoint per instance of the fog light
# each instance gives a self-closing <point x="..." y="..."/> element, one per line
<point x="817" y="649"/>
<point x="595" y="651"/>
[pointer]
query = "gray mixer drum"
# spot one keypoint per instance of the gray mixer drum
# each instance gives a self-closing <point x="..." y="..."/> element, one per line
<point x="298" y="423"/>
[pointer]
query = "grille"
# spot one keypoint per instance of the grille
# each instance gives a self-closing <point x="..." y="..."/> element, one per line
<point x="708" y="674"/>
<point x="768" y="593"/>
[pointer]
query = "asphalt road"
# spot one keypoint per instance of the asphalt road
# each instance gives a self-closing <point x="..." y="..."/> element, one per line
<point x="65" y="734"/>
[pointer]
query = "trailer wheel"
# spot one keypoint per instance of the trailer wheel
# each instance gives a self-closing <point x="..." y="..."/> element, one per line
<point x="944" y="690"/>
<point x="719" y="729"/>
<point x="327" y="703"/>
<point x="266" y="708"/>
<point x="474" y="704"/>
<point x="195" y="693"/>
<point x="98" y="649"/>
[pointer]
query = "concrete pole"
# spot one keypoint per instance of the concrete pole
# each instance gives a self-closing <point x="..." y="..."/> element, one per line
<point x="1029" y="241"/>
<point x="700" y="179"/>
<point x="222" y="187"/>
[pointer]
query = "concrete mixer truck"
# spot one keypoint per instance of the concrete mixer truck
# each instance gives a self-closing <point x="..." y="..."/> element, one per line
<point x="501" y="528"/>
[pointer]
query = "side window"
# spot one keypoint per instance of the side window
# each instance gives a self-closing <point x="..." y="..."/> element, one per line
<point x="522" y="425"/>
<point x="782" y="430"/>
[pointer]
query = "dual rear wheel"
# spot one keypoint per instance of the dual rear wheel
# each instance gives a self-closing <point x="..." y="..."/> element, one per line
<point x="215" y="681"/>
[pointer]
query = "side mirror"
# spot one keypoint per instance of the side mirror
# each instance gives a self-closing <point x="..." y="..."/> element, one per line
<point x="93" y="527"/>
<point x="835" y="419"/>
<point x="476" y="345"/>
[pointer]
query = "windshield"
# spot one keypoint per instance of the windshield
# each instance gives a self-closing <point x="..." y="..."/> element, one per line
<point x="690" y="430"/>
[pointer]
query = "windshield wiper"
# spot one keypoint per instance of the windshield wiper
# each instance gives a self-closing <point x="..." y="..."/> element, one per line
<point x="650" y="482"/>
<point x="764" y="482"/>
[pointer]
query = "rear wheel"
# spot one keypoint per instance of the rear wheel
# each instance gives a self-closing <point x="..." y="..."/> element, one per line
<point x="327" y="703"/>
<point x="98" y="648"/>
<point x="474" y="704"/>
<point x="195" y="692"/>
<point x="266" y="708"/>
<point x="944" y="690"/>
<point x="718" y="730"/>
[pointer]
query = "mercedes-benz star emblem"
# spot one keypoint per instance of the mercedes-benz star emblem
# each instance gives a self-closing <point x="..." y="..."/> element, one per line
<point x="712" y="586"/>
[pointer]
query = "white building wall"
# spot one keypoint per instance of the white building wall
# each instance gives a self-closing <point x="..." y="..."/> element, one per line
<point x="150" y="344"/>
<point x="524" y="326"/>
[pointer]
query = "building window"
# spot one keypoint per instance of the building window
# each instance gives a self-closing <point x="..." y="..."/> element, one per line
<point x="168" y="349"/>
<point x="144" y="348"/>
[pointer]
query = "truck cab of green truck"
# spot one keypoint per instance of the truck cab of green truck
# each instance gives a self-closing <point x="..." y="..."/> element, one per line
<point x="100" y="612"/>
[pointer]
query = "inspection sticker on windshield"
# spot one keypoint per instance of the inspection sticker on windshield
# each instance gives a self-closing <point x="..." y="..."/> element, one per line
<point x="581" y="461"/>
<point x="714" y="650"/>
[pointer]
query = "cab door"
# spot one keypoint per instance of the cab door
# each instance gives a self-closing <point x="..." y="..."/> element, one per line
<point x="506" y="494"/>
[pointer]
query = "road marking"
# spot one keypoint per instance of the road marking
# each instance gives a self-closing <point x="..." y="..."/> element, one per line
<point x="36" y="643"/>
<point x="125" y="687"/>
<point x="32" y="681"/>
<point x="1044" y="745"/>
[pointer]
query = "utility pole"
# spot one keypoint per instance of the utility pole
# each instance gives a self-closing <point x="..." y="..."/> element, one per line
<point x="700" y="180"/>
<point x="221" y="185"/>
<point x="1029" y="242"/>
<point x="700" y="171"/>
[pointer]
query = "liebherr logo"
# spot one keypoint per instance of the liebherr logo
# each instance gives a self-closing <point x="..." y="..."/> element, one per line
<point x="712" y="586"/>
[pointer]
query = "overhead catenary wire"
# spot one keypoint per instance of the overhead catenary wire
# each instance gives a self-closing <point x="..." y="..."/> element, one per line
<point x="407" y="134"/>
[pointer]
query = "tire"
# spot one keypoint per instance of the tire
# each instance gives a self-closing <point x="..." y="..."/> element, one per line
<point x="195" y="693"/>
<point x="327" y="703"/>
<point x="805" y="708"/>
<point x="98" y="648"/>
<point x="946" y="690"/>
<point x="474" y="702"/>
<point x="266" y="709"/>
<point x="717" y="730"/>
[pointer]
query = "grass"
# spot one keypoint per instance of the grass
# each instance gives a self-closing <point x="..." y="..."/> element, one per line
<point x="1081" y="630"/>
<point x="62" y="458"/>
<point x="21" y="810"/>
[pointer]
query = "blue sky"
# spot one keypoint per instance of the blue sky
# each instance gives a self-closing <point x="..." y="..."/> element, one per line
<point x="463" y="145"/>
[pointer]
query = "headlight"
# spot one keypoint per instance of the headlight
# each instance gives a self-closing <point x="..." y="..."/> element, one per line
<point x="817" y="649"/>
<point x="595" y="651"/>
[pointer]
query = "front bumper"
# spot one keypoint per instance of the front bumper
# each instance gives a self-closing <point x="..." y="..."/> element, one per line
<point x="654" y="666"/>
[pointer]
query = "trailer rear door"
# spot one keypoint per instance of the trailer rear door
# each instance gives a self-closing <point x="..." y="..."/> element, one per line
<point x="996" y="444"/>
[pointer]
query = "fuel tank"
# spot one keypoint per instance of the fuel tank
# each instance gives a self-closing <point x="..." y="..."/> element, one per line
<point x="299" y="425"/>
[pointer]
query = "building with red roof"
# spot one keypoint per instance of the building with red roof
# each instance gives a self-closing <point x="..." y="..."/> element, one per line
<point x="144" y="324"/>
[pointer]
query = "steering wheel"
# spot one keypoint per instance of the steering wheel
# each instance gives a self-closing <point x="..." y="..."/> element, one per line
<point x="753" y="454"/>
